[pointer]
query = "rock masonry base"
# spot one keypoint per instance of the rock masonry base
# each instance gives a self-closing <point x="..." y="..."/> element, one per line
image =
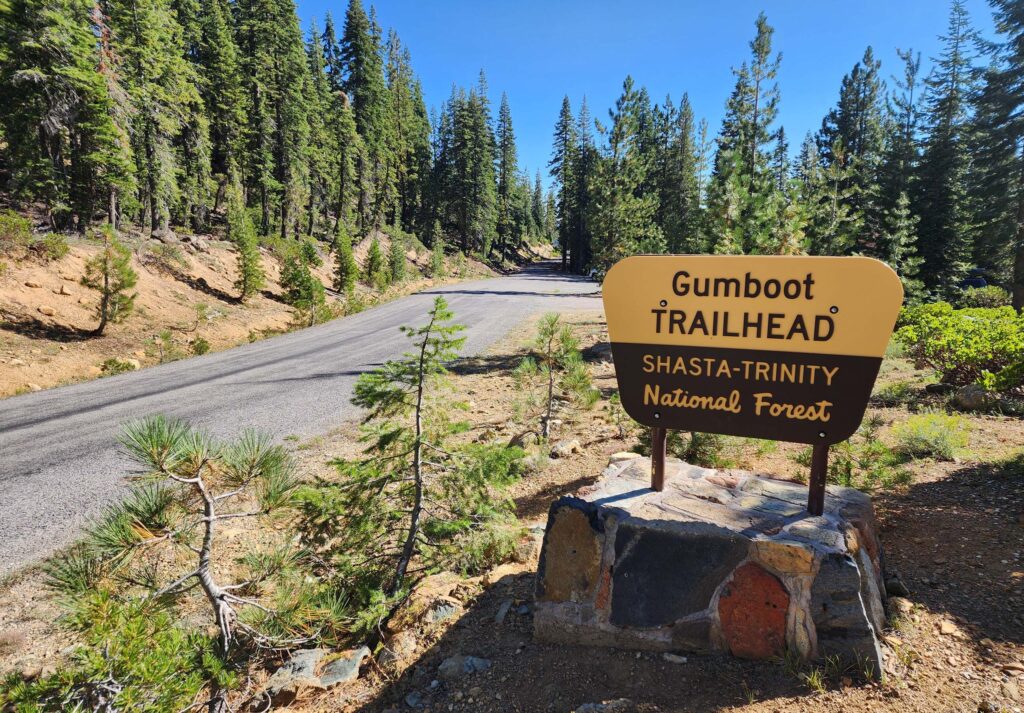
<point x="722" y="561"/>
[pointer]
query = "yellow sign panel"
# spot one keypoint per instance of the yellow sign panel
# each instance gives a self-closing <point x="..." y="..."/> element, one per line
<point x="770" y="347"/>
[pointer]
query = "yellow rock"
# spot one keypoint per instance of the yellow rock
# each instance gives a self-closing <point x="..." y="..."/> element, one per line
<point x="785" y="557"/>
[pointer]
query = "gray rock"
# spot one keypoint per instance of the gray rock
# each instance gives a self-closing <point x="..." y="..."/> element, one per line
<point x="973" y="398"/>
<point x="298" y="673"/>
<point x="414" y="699"/>
<point x="456" y="667"/>
<point x="564" y="449"/>
<point x="345" y="668"/>
<point x="442" y="610"/>
<point x="502" y="611"/>
<point x="399" y="648"/>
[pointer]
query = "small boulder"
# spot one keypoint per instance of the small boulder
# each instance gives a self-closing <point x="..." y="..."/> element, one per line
<point x="399" y="649"/>
<point x="34" y="387"/>
<point x="344" y="668"/>
<point x="47" y="311"/>
<point x="33" y="284"/>
<point x="973" y="397"/>
<point x="564" y="449"/>
<point x="456" y="667"/>
<point x="297" y="674"/>
<point x="62" y="290"/>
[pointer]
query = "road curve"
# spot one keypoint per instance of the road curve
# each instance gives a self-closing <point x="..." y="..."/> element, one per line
<point x="59" y="464"/>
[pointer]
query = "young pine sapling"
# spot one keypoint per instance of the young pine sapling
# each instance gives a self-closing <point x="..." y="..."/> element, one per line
<point x="111" y="274"/>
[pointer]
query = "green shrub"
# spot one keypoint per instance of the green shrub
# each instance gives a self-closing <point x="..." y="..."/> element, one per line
<point x="15" y="232"/>
<point x="200" y="346"/>
<point x="990" y="296"/>
<point x="52" y="246"/>
<point x="114" y="366"/>
<point x="132" y="657"/>
<point x="707" y="450"/>
<point x="934" y="434"/>
<point x="962" y="344"/>
<point x="862" y="461"/>
<point x="166" y="258"/>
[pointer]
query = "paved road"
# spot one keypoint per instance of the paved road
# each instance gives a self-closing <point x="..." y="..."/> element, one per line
<point x="59" y="463"/>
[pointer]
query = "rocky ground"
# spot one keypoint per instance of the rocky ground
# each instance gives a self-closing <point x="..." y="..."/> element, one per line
<point x="953" y="538"/>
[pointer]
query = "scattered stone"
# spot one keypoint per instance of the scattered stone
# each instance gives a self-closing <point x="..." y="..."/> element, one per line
<point x="521" y="440"/>
<point x="973" y="397"/>
<point x="456" y="667"/>
<point x="83" y="300"/>
<point x="1010" y="691"/>
<point x="499" y="618"/>
<point x="619" y="704"/>
<point x="34" y="285"/>
<point x="297" y="674"/>
<point x="344" y="668"/>
<point x="47" y="311"/>
<point x="674" y="658"/>
<point x="400" y="648"/>
<point x="442" y="609"/>
<point x="600" y="352"/>
<point x="948" y="628"/>
<point x="1013" y="667"/>
<point x="523" y="609"/>
<point x="901" y="605"/>
<point x="414" y="699"/>
<point x="17" y="362"/>
<point x="622" y="457"/>
<point x="895" y="587"/>
<point x="564" y="449"/>
<point x="63" y="290"/>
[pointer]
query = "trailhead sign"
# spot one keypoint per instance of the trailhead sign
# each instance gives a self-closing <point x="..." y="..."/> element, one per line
<point x="785" y="348"/>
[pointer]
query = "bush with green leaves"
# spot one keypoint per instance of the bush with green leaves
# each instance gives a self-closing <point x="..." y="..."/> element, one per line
<point x="165" y="258"/>
<point x="51" y="247"/>
<point x="962" y="344"/>
<point x="415" y="502"/>
<point x="988" y="296"/>
<point x="115" y="366"/>
<point x="933" y="434"/>
<point x="707" y="450"/>
<point x="110" y="273"/>
<point x="554" y="377"/>
<point x="862" y="461"/>
<point x="200" y="346"/>
<point x="15" y="232"/>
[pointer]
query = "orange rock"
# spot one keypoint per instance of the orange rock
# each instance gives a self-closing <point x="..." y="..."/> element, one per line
<point x="752" y="610"/>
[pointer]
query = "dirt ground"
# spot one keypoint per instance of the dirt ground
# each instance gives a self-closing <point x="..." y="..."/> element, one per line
<point x="955" y="537"/>
<point x="47" y="316"/>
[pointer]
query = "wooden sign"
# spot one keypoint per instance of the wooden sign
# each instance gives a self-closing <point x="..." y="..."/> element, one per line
<point x="785" y="348"/>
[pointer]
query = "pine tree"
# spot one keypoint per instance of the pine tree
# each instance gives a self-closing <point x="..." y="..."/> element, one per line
<point x="508" y="170"/>
<point x="110" y="273"/>
<point x="742" y="200"/>
<point x="64" y="111"/>
<point x="624" y="217"/>
<point x="374" y="274"/>
<point x="537" y="206"/>
<point x="998" y="179"/>
<point x="251" y="277"/>
<point x="323" y="149"/>
<point x="940" y="199"/>
<point x="360" y="53"/>
<point x="587" y="158"/>
<point x="396" y="260"/>
<point x="563" y="171"/>
<point x="346" y="271"/>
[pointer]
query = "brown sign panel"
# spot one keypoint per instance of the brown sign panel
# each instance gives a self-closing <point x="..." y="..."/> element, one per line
<point x="785" y="348"/>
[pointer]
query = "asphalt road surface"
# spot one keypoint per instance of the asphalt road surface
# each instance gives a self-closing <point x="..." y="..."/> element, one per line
<point x="59" y="461"/>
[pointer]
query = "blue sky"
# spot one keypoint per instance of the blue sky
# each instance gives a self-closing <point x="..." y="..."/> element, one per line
<point x="538" y="51"/>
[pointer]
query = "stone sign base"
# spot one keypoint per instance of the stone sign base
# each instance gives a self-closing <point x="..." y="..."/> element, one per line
<point x="719" y="561"/>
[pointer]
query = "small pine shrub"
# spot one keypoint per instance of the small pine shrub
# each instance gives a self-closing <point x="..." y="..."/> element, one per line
<point x="110" y="273"/>
<point x="931" y="435"/>
<point x="112" y="367"/>
<point x="437" y="255"/>
<point x="241" y="231"/>
<point x="166" y="258"/>
<point x="51" y="247"/>
<point x="990" y="296"/>
<point x="374" y="274"/>
<point x="346" y="271"/>
<point x="15" y="232"/>
<point x="396" y="260"/>
<point x="200" y="346"/>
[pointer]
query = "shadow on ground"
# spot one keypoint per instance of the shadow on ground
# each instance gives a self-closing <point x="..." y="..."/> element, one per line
<point x="958" y="543"/>
<point x="528" y="676"/>
<point x="34" y="328"/>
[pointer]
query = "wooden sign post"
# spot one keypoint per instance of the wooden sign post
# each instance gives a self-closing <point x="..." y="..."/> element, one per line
<point x="785" y="348"/>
